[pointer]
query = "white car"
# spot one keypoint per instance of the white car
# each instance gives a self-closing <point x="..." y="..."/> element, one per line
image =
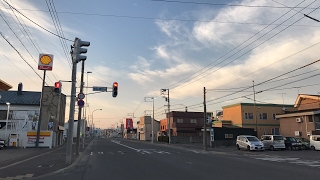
<point x="315" y="142"/>
<point x="249" y="142"/>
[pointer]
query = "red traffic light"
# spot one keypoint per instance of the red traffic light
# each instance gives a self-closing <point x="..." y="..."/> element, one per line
<point x="57" y="85"/>
<point x="115" y="89"/>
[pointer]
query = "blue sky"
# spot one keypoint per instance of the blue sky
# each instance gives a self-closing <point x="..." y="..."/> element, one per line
<point x="183" y="46"/>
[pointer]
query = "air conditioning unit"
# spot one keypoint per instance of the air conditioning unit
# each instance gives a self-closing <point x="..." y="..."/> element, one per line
<point x="297" y="133"/>
<point x="298" y="120"/>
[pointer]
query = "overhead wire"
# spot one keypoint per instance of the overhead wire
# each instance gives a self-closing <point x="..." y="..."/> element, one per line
<point x="178" y="87"/>
<point x="35" y="22"/>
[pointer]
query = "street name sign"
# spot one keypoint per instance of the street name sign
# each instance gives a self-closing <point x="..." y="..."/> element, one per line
<point x="97" y="88"/>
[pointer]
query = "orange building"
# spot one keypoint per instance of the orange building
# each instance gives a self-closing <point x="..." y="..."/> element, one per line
<point x="261" y="117"/>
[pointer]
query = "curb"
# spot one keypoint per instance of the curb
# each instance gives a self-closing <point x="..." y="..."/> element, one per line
<point x="70" y="167"/>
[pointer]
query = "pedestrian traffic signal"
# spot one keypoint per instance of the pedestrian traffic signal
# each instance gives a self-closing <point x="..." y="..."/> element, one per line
<point x="76" y="56"/>
<point x="115" y="89"/>
<point x="57" y="87"/>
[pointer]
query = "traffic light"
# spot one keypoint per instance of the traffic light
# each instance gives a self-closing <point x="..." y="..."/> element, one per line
<point x="77" y="57"/>
<point x="57" y="87"/>
<point x="115" y="89"/>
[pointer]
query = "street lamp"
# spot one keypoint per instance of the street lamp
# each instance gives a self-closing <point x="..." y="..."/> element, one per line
<point x="88" y="72"/>
<point x="5" y="136"/>
<point x="92" y="118"/>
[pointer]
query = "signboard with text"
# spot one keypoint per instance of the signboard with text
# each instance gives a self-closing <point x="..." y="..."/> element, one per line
<point x="129" y="123"/>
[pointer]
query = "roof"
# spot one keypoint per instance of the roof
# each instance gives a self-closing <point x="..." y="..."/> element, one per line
<point x="303" y="96"/>
<point x="252" y="104"/>
<point x="4" y="86"/>
<point x="27" y="98"/>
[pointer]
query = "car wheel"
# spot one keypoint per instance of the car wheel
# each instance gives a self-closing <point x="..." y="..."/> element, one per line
<point x="248" y="148"/>
<point x="312" y="148"/>
<point x="238" y="147"/>
<point x="271" y="148"/>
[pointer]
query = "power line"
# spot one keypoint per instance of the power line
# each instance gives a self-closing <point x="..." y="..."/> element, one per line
<point x="223" y="4"/>
<point x="36" y="23"/>
<point x="203" y="69"/>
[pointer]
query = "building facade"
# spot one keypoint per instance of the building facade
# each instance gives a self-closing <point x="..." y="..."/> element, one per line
<point x="184" y="123"/>
<point x="144" y="129"/>
<point x="261" y="117"/>
<point x="24" y="112"/>
<point x="303" y="122"/>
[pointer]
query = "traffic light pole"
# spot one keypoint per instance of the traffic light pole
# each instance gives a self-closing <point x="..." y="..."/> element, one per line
<point x="71" y="114"/>
<point x="80" y="121"/>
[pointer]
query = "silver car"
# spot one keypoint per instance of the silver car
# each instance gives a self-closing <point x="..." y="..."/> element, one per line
<point x="249" y="142"/>
<point x="273" y="142"/>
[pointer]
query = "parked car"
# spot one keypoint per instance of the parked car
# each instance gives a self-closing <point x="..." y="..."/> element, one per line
<point x="292" y="143"/>
<point x="273" y="142"/>
<point x="315" y="142"/>
<point x="249" y="142"/>
<point x="2" y="143"/>
<point x="305" y="142"/>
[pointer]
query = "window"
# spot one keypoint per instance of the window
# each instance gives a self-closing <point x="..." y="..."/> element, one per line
<point x="263" y="116"/>
<point x="274" y="117"/>
<point x="310" y="119"/>
<point x="230" y="136"/>
<point x="317" y="121"/>
<point x="275" y="131"/>
<point x="193" y="120"/>
<point x="248" y="115"/>
<point x="179" y="120"/>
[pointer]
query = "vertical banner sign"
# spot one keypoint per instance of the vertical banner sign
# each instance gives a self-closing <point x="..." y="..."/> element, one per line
<point x="45" y="62"/>
<point x="129" y="123"/>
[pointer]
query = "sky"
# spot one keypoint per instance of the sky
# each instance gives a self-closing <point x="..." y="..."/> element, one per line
<point x="233" y="49"/>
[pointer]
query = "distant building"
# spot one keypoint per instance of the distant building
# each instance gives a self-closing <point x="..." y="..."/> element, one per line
<point x="261" y="117"/>
<point x="184" y="123"/>
<point x="305" y="121"/>
<point x="144" y="129"/>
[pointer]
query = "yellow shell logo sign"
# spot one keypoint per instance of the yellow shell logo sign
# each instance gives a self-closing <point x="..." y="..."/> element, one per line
<point x="45" y="59"/>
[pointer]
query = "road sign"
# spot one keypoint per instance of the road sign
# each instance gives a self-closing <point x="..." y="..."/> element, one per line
<point x="97" y="88"/>
<point x="81" y="96"/>
<point x="81" y="103"/>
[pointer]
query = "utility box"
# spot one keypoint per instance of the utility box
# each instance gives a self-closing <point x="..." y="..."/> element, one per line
<point x="13" y="140"/>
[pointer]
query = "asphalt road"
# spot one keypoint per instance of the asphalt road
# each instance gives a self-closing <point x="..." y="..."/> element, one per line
<point x="126" y="159"/>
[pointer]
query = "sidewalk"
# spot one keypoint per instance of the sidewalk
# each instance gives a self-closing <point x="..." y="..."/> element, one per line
<point x="20" y="163"/>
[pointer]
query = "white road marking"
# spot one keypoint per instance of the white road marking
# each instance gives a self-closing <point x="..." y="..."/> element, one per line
<point x="297" y="161"/>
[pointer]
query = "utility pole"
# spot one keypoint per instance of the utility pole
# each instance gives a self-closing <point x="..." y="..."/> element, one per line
<point x="255" y="111"/>
<point x="41" y="105"/>
<point x="168" y="100"/>
<point x="80" y="121"/>
<point x="205" y="119"/>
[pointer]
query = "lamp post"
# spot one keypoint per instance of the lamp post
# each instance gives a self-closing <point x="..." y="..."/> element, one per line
<point x="92" y="118"/>
<point x="5" y="136"/>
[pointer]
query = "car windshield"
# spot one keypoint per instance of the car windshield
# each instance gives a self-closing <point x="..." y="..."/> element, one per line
<point x="253" y="139"/>
<point x="303" y="140"/>
<point x="291" y="139"/>
<point x="278" y="138"/>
